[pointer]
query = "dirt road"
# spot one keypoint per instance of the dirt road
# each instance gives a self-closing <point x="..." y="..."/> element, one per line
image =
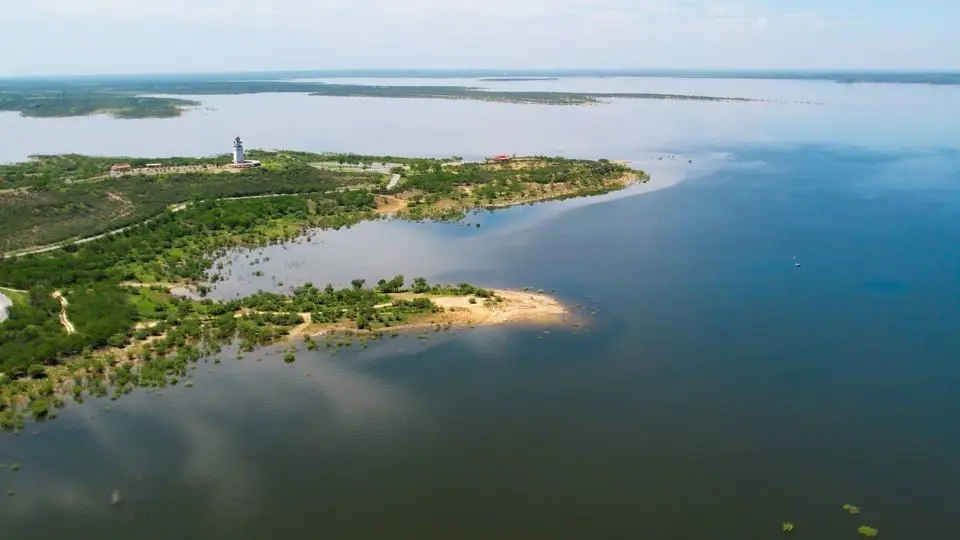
<point x="67" y="325"/>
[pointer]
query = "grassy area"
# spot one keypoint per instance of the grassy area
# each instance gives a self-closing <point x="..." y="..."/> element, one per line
<point x="18" y="297"/>
<point x="41" y="215"/>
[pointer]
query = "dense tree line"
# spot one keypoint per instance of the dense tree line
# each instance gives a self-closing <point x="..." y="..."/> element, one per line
<point x="82" y="103"/>
<point x="177" y="246"/>
<point x="47" y="170"/>
<point x="33" y="333"/>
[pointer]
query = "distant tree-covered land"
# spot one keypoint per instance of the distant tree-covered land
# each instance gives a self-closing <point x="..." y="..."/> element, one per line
<point x="517" y="79"/>
<point x="82" y="103"/>
<point x="128" y="97"/>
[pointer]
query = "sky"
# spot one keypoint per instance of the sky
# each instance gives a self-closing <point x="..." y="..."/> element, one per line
<point x="68" y="37"/>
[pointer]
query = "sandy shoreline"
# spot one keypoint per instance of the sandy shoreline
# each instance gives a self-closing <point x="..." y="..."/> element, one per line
<point x="514" y="307"/>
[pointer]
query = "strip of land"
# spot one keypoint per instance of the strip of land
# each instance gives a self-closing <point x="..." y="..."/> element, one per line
<point x="138" y="98"/>
<point x="502" y="307"/>
<point x="126" y="325"/>
<point x="51" y="203"/>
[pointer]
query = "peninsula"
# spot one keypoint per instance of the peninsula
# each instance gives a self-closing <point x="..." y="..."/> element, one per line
<point x="96" y="258"/>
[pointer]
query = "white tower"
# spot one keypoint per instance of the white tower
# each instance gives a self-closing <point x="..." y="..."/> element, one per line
<point x="238" y="156"/>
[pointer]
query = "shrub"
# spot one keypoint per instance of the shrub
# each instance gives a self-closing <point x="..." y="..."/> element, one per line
<point x="36" y="371"/>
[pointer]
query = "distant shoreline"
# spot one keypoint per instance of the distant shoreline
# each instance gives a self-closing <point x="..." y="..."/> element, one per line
<point x="902" y="76"/>
<point x="137" y="99"/>
<point x="518" y="79"/>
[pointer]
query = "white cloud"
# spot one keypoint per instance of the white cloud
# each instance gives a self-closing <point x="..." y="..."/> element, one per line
<point x="222" y="12"/>
<point x="190" y="35"/>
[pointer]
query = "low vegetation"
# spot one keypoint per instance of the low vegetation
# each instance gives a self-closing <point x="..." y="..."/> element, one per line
<point x="438" y="191"/>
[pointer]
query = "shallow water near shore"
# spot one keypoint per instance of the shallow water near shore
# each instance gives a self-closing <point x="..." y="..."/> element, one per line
<point x="718" y="390"/>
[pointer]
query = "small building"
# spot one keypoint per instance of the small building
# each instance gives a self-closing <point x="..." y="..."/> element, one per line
<point x="500" y="158"/>
<point x="153" y="165"/>
<point x="121" y="167"/>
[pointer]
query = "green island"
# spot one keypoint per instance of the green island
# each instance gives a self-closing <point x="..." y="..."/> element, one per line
<point x="153" y="98"/>
<point x="102" y="315"/>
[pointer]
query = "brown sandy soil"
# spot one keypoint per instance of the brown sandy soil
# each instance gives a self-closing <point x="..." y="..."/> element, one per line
<point x="446" y="204"/>
<point x="515" y="307"/>
<point x="388" y="204"/>
<point x="163" y="284"/>
<point x="126" y="207"/>
<point x="67" y="325"/>
<point x="145" y="325"/>
<point x="302" y="328"/>
<point x="185" y="290"/>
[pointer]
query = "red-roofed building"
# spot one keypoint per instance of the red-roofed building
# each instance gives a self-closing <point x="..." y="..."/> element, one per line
<point x="120" y="167"/>
<point x="501" y="158"/>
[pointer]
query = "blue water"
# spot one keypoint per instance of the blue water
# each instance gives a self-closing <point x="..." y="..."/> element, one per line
<point x="718" y="391"/>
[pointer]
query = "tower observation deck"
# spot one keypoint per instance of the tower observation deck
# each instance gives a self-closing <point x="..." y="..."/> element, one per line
<point x="238" y="156"/>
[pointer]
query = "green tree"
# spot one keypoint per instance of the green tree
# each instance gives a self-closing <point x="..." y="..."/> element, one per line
<point x="393" y="286"/>
<point x="420" y="285"/>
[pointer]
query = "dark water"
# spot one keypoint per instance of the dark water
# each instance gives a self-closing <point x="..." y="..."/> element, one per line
<point x="719" y="390"/>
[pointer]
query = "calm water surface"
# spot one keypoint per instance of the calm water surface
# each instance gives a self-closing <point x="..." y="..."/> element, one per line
<point x="718" y="391"/>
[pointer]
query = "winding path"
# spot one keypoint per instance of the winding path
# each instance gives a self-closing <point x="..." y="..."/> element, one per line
<point x="67" y="325"/>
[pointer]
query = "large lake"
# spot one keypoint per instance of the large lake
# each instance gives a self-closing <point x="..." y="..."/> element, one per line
<point x="718" y="391"/>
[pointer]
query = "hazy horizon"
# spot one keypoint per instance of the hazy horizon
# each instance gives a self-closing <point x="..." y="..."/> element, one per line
<point x="458" y="72"/>
<point x="65" y="38"/>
